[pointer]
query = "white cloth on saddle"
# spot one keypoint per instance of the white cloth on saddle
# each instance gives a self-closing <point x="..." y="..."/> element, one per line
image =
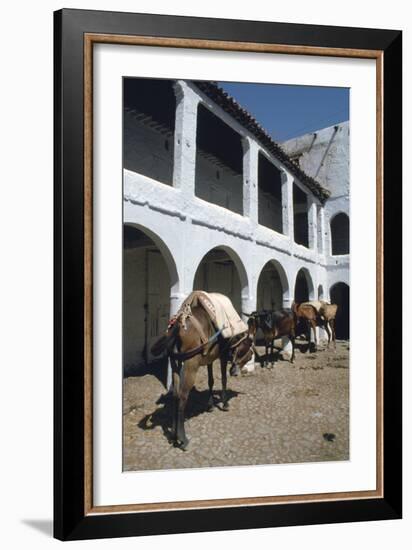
<point x="219" y="308"/>
<point x="226" y="317"/>
<point x="314" y="303"/>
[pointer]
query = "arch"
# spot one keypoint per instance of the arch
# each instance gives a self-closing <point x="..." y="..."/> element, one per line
<point x="164" y="249"/>
<point x="339" y="231"/>
<point x="222" y="270"/>
<point x="304" y="289"/>
<point x="273" y="287"/>
<point x="340" y="295"/>
<point x="321" y="294"/>
<point x="149" y="279"/>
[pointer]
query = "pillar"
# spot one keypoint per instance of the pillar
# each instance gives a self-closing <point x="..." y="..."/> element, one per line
<point x="313" y="224"/>
<point x="184" y="166"/>
<point x="248" y="305"/>
<point x="287" y="205"/>
<point x="322" y="230"/>
<point x="250" y="178"/>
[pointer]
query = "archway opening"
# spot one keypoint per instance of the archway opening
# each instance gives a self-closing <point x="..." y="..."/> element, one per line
<point x="219" y="162"/>
<point x="300" y="216"/>
<point x="340" y="295"/>
<point x="339" y="227"/>
<point x="272" y="285"/>
<point x="269" y="194"/>
<point x="303" y="286"/>
<point x="218" y="272"/>
<point x="147" y="283"/>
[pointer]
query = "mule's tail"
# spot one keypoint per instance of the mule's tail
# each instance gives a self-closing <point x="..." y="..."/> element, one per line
<point x="166" y="341"/>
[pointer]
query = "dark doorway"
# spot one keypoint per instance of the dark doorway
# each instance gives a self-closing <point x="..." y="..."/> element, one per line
<point x="146" y="296"/>
<point x="339" y="294"/>
<point x="339" y="227"/>
<point x="302" y="291"/>
<point x="270" y="289"/>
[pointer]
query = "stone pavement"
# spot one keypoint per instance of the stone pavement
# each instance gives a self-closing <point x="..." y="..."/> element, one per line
<point x="288" y="414"/>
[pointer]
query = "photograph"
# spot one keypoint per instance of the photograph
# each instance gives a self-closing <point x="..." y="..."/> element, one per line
<point x="236" y="273"/>
<point x="223" y="191"/>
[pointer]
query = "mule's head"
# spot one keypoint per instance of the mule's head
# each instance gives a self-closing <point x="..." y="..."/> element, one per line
<point x="242" y="354"/>
<point x="252" y="325"/>
<point x="166" y="341"/>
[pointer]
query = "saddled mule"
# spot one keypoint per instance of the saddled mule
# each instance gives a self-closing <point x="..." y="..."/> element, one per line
<point x="274" y="324"/>
<point x="317" y="313"/>
<point x="185" y="345"/>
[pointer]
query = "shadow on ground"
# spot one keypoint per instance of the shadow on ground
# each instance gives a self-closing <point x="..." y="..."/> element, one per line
<point x="197" y="404"/>
<point x="156" y="368"/>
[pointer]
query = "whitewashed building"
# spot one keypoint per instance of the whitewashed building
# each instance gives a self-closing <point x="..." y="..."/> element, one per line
<point x="212" y="202"/>
<point x="324" y="155"/>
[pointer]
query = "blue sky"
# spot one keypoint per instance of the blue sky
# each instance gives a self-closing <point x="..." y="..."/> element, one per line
<point x="289" y="111"/>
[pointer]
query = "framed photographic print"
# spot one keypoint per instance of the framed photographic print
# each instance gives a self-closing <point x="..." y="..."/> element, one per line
<point x="227" y="238"/>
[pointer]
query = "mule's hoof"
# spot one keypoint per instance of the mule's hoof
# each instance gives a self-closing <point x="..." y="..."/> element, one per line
<point x="225" y="407"/>
<point x="234" y="370"/>
<point x="210" y="407"/>
<point x="182" y="444"/>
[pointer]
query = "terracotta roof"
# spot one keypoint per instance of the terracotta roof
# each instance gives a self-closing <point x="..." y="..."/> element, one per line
<point x="233" y="108"/>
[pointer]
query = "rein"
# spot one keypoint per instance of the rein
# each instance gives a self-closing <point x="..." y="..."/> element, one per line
<point x="195" y="351"/>
<point x="239" y="341"/>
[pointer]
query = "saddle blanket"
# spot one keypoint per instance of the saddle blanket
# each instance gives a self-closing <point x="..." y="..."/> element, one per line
<point x="221" y="311"/>
<point x="314" y="303"/>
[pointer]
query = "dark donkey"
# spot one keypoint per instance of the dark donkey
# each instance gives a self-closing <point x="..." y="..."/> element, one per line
<point x="188" y="352"/>
<point x="274" y="324"/>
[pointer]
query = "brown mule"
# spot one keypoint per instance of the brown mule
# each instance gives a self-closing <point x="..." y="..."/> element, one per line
<point x="307" y="313"/>
<point x="327" y="314"/>
<point x="188" y="352"/>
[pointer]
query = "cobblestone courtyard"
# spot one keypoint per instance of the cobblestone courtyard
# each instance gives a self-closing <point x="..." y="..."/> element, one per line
<point x="291" y="413"/>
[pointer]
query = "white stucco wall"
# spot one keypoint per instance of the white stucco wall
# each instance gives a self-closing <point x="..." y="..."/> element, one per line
<point x="324" y="155"/>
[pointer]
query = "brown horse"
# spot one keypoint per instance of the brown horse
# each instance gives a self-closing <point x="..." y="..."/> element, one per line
<point x="315" y="314"/>
<point x="188" y="352"/>
<point x="308" y="315"/>
<point x="274" y="324"/>
<point x="327" y="313"/>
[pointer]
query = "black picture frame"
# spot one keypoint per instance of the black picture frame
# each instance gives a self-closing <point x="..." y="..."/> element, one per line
<point x="70" y="520"/>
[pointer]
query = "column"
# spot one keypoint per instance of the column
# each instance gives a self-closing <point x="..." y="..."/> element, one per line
<point x="248" y="305"/>
<point x="322" y="231"/>
<point x="250" y="178"/>
<point x="184" y="166"/>
<point x="313" y="224"/>
<point x="287" y="205"/>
